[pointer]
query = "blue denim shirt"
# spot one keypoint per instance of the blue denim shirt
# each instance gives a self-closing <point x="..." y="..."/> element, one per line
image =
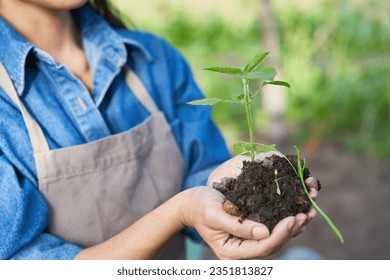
<point x="50" y="92"/>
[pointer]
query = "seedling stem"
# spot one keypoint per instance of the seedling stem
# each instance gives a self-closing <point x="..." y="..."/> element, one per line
<point x="247" y="104"/>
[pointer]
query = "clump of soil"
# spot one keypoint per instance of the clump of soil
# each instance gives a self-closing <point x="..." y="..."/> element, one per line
<point x="252" y="195"/>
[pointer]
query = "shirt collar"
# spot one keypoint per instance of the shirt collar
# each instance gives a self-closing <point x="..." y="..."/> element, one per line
<point x="13" y="53"/>
<point x="91" y="25"/>
<point x="95" y="28"/>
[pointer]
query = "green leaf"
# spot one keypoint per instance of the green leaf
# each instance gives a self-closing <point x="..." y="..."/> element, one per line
<point x="265" y="73"/>
<point x="238" y="97"/>
<point x="255" y="62"/>
<point x="277" y="83"/>
<point x="251" y="147"/>
<point x="239" y="148"/>
<point x="225" y="70"/>
<point x="245" y="148"/>
<point x="205" y="101"/>
<point x="268" y="148"/>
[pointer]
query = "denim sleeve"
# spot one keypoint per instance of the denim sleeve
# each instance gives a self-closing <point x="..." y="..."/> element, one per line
<point x="23" y="219"/>
<point x="202" y="144"/>
<point x="47" y="247"/>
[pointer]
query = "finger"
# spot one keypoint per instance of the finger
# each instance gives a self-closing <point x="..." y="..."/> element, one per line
<point x="311" y="215"/>
<point x="311" y="182"/>
<point x="231" y="168"/>
<point x="280" y="235"/>
<point x="235" y="248"/>
<point x="246" y="229"/>
<point x="302" y="220"/>
<point x="313" y="193"/>
<point x="218" y="175"/>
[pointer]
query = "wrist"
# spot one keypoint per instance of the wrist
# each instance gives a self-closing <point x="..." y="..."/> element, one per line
<point x="185" y="203"/>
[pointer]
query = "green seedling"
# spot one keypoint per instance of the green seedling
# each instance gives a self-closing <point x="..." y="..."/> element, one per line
<point x="299" y="172"/>
<point x="276" y="182"/>
<point x="250" y="72"/>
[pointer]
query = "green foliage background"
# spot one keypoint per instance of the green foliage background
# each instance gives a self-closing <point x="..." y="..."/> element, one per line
<point x="335" y="55"/>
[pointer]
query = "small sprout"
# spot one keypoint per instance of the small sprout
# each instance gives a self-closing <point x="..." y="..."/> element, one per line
<point x="276" y="182"/>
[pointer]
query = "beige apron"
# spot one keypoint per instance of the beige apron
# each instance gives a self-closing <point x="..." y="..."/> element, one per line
<point x="97" y="189"/>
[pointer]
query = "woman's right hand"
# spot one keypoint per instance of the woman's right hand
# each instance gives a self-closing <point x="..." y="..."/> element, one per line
<point x="229" y="238"/>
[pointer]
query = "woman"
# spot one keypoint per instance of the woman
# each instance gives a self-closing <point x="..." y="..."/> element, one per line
<point x="100" y="157"/>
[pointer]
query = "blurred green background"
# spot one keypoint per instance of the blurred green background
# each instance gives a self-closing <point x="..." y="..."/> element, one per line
<point x="335" y="54"/>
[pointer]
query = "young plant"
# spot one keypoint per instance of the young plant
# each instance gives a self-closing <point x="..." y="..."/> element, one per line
<point x="249" y="72"/>
<point x="299" y="172"/>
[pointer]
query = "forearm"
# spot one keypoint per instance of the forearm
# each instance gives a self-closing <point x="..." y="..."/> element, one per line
<point x="145" y="238"/>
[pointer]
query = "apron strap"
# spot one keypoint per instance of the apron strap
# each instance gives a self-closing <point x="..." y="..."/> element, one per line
<point x="38" y="139"/>
<point x="140" y="91"/>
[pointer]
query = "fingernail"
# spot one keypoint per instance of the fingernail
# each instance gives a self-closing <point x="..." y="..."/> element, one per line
<point x="313" y="193"/>
<point x="258" y="232"/>
<point x="302" y="221"/>
<point x="291" y="224"/>
<point x="314" y="183"/>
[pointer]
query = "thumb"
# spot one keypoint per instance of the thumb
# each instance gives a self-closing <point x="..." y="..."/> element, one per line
<point x="246" y="229"/>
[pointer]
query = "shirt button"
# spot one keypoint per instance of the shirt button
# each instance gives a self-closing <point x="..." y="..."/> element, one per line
<point x="59" y="65"/>
<point x="82" y="104"/>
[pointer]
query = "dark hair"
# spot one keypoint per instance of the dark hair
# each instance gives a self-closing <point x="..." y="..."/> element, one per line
<point x="109" y="12"/>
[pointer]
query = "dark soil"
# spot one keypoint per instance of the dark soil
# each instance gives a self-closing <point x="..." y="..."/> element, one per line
<point x="253" y="194"/>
